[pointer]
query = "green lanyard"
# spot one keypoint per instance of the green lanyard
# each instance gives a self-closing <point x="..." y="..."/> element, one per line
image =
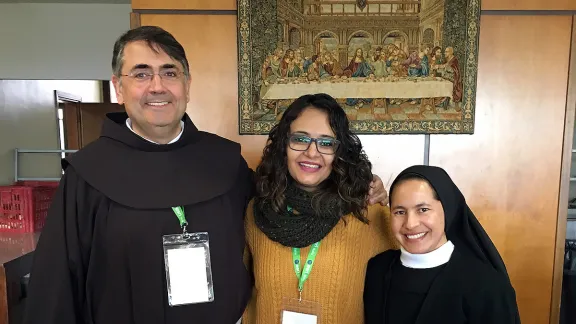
<point x="179" y="211"/>
<point x="302" y="276"/>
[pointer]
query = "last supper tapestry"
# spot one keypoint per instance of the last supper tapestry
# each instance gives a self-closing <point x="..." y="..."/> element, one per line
<point x="395" y="66"/>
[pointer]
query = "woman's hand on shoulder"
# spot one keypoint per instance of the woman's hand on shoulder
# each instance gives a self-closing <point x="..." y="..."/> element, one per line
<point x="377" y="193"/>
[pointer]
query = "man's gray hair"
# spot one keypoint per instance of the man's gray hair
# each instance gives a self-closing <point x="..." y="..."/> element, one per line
<point x="155" y="37"/>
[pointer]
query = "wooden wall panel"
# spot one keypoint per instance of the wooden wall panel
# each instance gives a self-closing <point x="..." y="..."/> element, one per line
<point x="185" y="4"/>
<point x="509" y="170"/>
<point x="528" y="5"/>
<point x="210" y="43"/>
<point x="567" y="157"/>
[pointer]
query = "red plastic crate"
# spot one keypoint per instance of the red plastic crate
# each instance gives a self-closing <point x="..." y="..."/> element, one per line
<point x="37" y="183"/>
<point x="23" y="209"/>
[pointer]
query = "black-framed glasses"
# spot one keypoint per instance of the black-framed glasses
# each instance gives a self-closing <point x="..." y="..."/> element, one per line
<point x="324" y="145"/>
<point x="146" y="76"/>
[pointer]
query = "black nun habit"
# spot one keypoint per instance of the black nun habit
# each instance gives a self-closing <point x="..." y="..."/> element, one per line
<point x="472" y="287"/>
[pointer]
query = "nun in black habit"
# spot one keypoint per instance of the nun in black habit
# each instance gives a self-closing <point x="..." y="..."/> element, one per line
<point x="447" y="271"/>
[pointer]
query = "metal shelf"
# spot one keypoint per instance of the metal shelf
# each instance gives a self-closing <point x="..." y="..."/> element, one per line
<point x="571" y="214"/>
<point x="572" y="211"/>
<point x="19" y="151"/>
<point x="573" y="178"/>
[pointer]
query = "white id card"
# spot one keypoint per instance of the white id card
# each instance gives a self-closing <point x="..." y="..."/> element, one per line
<point x="188" y="269"/>
<point x="289" y="317"/>
<point x="297" y="311"/>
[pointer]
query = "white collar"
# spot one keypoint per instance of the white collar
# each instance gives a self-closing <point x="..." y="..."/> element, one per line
<point x="129" y="125"/>
<point x="427" y="260"/>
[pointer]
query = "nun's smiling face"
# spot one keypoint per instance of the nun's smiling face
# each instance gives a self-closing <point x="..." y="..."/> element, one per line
<point x="417" y="216"/>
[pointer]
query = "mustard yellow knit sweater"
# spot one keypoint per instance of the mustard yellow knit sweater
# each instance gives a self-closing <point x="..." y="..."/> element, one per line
<point x="337" y="278"/>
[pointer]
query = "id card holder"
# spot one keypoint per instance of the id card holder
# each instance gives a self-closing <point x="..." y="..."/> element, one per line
<point x="296" y="311"/>
<point x="188" y="269"/>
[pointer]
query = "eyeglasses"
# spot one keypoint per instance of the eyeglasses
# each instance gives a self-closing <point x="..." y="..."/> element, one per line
<point x="141" y="76"/>
<point x="324" y="145"/>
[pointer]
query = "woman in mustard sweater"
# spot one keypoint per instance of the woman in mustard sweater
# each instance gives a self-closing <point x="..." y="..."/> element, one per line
<point x="310" y="231"/>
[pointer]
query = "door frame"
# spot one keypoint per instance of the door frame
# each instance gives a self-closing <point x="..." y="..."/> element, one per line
<point x="73" y="117"/>
<point x="566" y="164"/>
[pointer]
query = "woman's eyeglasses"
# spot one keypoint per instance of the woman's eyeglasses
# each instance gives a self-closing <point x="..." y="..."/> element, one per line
<point x="324" y="145"/>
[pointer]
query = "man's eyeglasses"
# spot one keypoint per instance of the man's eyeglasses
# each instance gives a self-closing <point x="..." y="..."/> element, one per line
<point x="324" y="145"/>
<point x="147" y="76"/>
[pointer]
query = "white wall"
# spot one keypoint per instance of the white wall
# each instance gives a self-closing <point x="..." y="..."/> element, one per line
<point x="28" y="120"/>
<point x="49" y="41"/>
<point x="59" y="41"/>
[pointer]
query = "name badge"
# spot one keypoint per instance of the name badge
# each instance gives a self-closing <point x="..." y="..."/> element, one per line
<point x="188" y="268"/>
<point x="289" y="317"/>
<point x="298" y="311"/>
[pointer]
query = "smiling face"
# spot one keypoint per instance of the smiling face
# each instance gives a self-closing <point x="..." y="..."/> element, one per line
<point x="418" y="221"/>
<point x="155" y="106"/>
<point x="309" y="168"/>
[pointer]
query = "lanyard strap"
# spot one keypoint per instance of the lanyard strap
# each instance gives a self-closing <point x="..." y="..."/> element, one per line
<point x="303" y="276"/>
<point x="179" y="211"/>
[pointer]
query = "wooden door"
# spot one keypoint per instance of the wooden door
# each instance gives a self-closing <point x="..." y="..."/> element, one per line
<point x="83" y="122"/>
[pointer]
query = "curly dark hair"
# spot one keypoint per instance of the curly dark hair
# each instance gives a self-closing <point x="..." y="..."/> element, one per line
<point x="351" y="170"/>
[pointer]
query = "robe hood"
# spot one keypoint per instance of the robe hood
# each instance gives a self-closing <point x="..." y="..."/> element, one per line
<point x="139" y="174"/>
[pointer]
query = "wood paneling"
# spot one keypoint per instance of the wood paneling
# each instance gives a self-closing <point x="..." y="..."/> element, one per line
<point x="509" y="170"/>
<point x="232" y="4"/>
<point x="528" y="5"/>
<point x="92" y="116"/>
<point x="185" y="4"/>
<point x="210" y="43"/>
<point x="567" y="155"/>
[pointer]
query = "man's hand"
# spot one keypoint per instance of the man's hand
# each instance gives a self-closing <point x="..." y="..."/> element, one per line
<point x="377" y="193"/>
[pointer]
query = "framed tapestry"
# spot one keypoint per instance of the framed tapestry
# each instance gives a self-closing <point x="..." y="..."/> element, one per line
<point x="395" y="66"/>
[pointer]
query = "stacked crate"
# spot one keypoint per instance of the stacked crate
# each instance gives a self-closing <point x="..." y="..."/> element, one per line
<point x="24" y="206"/>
